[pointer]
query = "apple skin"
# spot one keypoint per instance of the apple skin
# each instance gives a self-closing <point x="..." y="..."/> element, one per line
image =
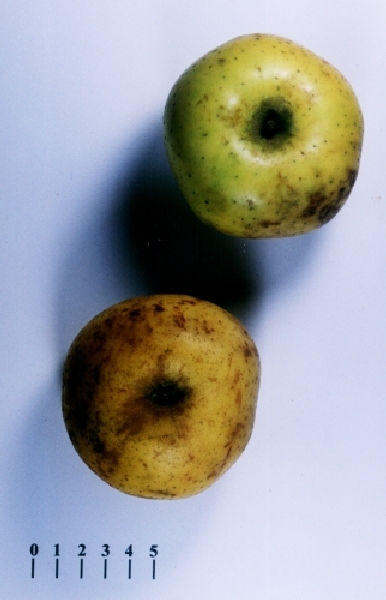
<point x="264" y="137"/>
<point x="160" y="393"/>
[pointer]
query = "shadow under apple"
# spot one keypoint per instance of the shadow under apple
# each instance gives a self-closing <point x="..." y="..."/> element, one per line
<point x="174" y="252"/>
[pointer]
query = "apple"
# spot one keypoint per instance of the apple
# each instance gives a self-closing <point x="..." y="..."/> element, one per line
<point x="264" y="137"/>
<point x="160" y="393"/>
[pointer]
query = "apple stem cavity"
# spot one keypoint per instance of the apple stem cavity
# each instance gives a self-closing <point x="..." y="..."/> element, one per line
<point x="168" y="394"/>
<point x="271" y="122"/>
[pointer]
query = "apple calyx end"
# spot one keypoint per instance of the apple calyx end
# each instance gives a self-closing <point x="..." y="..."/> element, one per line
<point x="271" y="124"/>
<point x="167" y="393"/>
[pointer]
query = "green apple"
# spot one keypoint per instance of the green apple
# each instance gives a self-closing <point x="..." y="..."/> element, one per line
<point x="264" y="137"/>
<point x="159" y="394"/>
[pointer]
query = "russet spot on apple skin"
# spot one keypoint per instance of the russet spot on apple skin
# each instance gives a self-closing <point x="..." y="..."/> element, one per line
<point x="264" y="137"/>
<point x="159" y="394"/>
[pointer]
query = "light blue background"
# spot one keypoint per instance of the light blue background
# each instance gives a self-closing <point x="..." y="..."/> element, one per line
<point x="302" y="514"/>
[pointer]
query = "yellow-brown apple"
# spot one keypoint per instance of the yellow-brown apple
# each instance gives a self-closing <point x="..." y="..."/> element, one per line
<point x="159" y="394"/>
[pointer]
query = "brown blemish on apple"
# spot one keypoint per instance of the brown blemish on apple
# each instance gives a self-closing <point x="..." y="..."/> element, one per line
<point x="233" y="118"/>
<point x="135" y="314"/>
<point x="204" y="98"/>
<point x="149" y="493"/>
<point x="325" y="207"/>
<point x="267" y="223"/>
<point x="206" y="327"/>
<point x="107" y="456"/>
<point x="328" y="212"/>
<point x="237" y="437"/>
<point x="109" y="322"/>
<point x="99" y="336"/>
<point x="315" y="200"/>
<point x="216" y="472"/>
<point x="248" y="351"/>
<point x="190" y="301"/>
<point x="179" y="320"/>
<point x="83" y="421"/>
<point x="158" y="308"/>
<point x="74" y="372"/>
<point x="237" y="430"/>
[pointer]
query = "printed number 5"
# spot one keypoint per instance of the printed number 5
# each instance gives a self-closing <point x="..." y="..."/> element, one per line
<point x="153" y="550"/>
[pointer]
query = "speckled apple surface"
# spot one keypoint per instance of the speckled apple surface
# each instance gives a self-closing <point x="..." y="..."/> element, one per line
<point x="159" y="394"/>
<point x="264" y="137"/>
